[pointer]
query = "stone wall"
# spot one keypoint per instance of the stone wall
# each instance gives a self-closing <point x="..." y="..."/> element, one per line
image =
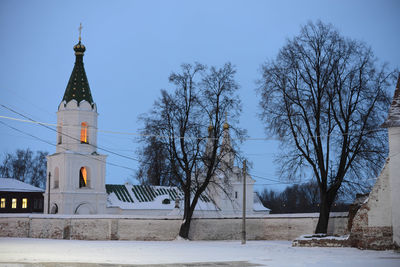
<point x="372" y="224"/>
<point x="365" y="236"/>
<point x="107" y="227"/>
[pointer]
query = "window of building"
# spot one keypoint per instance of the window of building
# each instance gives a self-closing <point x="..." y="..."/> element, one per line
<point x="56" y="178"/>
<point x="54" y="209"/>
<point x="24" y="203"/>
<point x="38" y="204"/>
<point x="84" y="133"/>
<point x="3" y="203"/>
<point x="236" y="194"/>
<point x="14" y="203"/>
<point x="83" y="181"/>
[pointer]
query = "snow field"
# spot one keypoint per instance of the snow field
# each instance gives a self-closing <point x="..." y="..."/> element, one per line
<point x="265" y="253"/>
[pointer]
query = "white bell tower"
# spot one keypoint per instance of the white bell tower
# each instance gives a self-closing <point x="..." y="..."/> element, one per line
<point x="76" y="172"/>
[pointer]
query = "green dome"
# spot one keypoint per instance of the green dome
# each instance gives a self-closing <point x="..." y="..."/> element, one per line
<point x="78" y="85"/>
<point x="79" y="48"/>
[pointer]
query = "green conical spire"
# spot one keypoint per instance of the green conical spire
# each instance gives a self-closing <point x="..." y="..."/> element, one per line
<point x="78" y="85"/>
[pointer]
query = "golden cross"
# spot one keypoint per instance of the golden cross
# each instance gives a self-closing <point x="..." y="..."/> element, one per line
<point x="80" y="30"/>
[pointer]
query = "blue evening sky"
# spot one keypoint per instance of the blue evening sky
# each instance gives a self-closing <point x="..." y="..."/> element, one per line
<point x="133" y="46"/>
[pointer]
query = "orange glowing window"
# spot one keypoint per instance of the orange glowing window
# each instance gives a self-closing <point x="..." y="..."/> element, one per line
<point x="84" y="132"/>
<point x="83" y="177"/>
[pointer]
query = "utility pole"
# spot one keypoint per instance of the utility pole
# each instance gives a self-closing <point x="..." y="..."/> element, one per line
<point x="244" y="205"/>
<point x="48" y="196"/>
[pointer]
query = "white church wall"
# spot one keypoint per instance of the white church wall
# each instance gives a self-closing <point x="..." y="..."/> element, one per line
<point x="71" y="118"/>
<point x="379" y="201"/>
<point x="394" y="174"/>
<point x="69" y="197"/>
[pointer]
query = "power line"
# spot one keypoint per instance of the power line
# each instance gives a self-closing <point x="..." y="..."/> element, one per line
<point x="49" y="143"/>
<point x="46" y="125"/>
<point x="277" y="182"/>
<point x="264" y="178"/>
<point x="165" y="136"/>
<point x="43" y="125"/>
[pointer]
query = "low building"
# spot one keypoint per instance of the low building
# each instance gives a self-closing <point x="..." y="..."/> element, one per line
<point x="20" y="197"/>
<point x="164" y="201"/>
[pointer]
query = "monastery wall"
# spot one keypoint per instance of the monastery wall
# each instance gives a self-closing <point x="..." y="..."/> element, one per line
<point x="372" y="226"/>
<point x="107" y="227"/>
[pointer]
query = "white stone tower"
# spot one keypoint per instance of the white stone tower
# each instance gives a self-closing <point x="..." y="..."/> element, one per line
<point x="226" y="188"/>
<point x="76" y="172"/>
<point x="393" y="125"/>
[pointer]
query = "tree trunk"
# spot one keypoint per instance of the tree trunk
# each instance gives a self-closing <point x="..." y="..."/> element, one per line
<point x="187" y="218"/>
<point x="184" y="230"/>
<point x="324" y="210"/>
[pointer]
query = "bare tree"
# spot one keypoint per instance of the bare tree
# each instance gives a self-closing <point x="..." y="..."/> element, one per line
<point x="298" y="199"/>
<point x="154" y="168"/>
<point x="180" y="120"/>
<point x="325" y="98"/>
<point x="25" y="167"/>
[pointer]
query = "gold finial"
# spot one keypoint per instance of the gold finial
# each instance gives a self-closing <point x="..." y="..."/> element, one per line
<point x="210" y="127"/>
<point x="226" y="125"/>
<point x="80" y="30"/>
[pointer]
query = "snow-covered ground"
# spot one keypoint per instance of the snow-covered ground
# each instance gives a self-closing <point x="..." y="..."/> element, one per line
<point x="265" y="253"/>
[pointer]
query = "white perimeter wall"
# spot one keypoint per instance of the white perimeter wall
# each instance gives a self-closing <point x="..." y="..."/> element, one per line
<point x="103" y="227"/>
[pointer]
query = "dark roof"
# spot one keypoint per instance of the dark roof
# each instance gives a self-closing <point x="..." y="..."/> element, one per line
<point x="393" y="119"/>
<point x="78" y="85"/>
<point x="120" y="191"/>
<point x="145" y="193"/>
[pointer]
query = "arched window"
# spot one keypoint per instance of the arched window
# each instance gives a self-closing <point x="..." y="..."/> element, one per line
<point x="83" y="177"/>
<point x="59" y="130"/>
<point x="84" y="133"/>
<point x="56" y="178"/>
<point x="54" y="208"/>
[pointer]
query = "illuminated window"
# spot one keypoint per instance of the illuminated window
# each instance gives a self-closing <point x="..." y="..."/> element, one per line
<point x="3" y="203"/>
<point x="14" y="203"/>
<point x="24" y="203"/>
<point x="84" y="133"/>
<point x="83" y="177"/>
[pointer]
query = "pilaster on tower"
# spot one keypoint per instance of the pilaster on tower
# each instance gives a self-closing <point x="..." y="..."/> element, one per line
<point x="227" y="154"/>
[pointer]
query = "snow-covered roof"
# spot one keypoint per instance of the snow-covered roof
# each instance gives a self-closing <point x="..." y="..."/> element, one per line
<point x="258" y="205"/>
<point x="13" y="185"/>
<point x="150" y="197"/>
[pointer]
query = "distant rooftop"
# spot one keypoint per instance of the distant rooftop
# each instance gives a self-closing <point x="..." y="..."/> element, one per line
<point x="13" y="185"/>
